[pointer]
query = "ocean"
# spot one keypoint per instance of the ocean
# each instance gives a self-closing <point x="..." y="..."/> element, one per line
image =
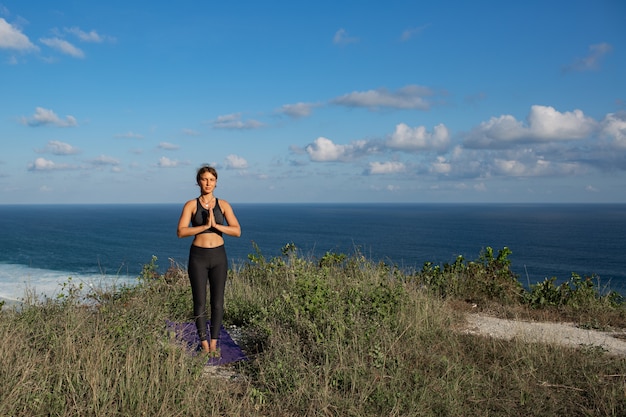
<point x="41" y="246"/>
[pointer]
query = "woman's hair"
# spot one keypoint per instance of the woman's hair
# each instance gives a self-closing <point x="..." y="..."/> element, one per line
<point x="203" y="170"/>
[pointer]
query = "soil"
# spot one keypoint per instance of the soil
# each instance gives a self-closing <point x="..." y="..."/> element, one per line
<point x="568" y="334"/>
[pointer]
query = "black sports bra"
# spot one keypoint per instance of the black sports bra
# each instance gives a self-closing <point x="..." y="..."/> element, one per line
<point x="200" y="218"/>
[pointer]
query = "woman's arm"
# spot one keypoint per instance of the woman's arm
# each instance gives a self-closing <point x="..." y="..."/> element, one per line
<point x="184" y="230"/>
<point x="232" y="228"/>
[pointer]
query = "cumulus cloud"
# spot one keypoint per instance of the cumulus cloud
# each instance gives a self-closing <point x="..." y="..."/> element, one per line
<point x="324" y="150"/>
<point x="56" y="147"/>
<point x="538" y="168"/>
<point x="557" y="160"/>
<point x="235" y="162"/>
<point x="548" y="124"/>
<point x="234" y="121"/>
<point x="547" y="144"/>
<point x="418" y="138"/>
<point x="544" y="124"/>
<point x="614" y="127"/>
<point x="42" y="164"/>
<point x="12" y="38"/>
<point x="441" y="166"/>
<point x="408" y="97"/>
<point x="165" y="162"/>
<point x="592" y="60"/>
<point x="63" y="46"/>
<point x="383" y="168"/>
<point x="298" y="110"/>
<point x="342" y="38"/>
<point x="44" y="117"/>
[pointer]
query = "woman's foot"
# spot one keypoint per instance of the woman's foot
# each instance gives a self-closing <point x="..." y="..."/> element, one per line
<point x="214" y="351"/>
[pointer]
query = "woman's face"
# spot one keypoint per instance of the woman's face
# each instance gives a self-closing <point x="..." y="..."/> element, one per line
<point x="207" y="183"/>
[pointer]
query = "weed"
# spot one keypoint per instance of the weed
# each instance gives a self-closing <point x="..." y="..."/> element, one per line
<point x="339" y="335"/>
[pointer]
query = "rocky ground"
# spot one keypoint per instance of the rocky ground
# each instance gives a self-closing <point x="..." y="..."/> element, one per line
<point x="613" y="342"/>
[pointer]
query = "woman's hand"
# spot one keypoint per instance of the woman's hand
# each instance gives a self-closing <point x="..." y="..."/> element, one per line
<point x="210" y="221"/>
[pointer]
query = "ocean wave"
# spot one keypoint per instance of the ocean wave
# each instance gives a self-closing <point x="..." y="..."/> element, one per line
<point x="19" y="281"/>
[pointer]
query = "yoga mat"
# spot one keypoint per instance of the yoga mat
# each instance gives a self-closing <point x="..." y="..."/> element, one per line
<point x="187" y="333"/>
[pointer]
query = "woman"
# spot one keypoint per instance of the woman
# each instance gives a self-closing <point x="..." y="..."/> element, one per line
<point x="207" y="218"/>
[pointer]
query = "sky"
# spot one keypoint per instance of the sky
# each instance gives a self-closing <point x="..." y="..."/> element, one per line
<point x="313" y="102"/>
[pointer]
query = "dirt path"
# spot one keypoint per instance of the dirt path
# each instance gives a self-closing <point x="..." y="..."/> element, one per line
<point x="564" y="333"/>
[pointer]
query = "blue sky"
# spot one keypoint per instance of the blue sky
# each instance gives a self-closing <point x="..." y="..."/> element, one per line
<point x="342" y="101"/>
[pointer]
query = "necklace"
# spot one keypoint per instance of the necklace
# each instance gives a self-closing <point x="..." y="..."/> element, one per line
<point x="203" y="203"/>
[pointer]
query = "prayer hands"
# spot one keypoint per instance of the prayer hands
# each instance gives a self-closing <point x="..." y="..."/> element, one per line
<point x="211" y="217"/>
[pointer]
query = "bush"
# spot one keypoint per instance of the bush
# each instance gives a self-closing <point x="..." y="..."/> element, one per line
<point x="335" y="336"/>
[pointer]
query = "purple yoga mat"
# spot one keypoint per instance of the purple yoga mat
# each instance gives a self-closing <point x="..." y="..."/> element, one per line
<point x="187" y="333"/>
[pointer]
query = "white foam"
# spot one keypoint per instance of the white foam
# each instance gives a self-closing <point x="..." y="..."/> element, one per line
<point x="18" y="280"/>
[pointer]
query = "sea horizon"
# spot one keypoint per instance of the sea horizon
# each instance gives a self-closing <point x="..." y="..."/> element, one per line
<point x="112" y="241"/>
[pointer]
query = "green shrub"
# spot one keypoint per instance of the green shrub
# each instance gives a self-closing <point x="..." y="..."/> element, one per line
<point x="336" y="336"/>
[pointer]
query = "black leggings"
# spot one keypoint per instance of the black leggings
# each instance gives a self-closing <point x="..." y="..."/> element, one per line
<point x="208" y="264"/>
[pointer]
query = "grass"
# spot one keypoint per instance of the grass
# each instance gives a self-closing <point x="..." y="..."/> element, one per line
<point x="336" y="336"/>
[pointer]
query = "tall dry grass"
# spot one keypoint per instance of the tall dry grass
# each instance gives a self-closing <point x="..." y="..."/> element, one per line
<point x="338" y="336"/>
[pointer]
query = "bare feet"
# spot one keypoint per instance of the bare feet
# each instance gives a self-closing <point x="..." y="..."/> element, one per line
<point x="211" y="350"/>
<point x="214" y="351"/>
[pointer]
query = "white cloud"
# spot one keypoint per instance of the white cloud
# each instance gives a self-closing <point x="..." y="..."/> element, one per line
<point x="408" y="97"/>
<point x="545" y="124"/>
<point x="548" y="124"/>
<point x="324" y="150"/>
<point x="298" y="110"/>
<point x="56" y="147"/>
<point x="48" y="117"/>
<point x="591" y="61"/>
<point x="105" y="160"/>
<point x="165" y="162"/>
<point x="441" y="166"/>
<point x="342" y="38"/>
<point x="235" y="162"/>
<point x="412" y="139"/>
<point x="614" y="127"/>
<point x="168" y="146"/>
<point x="12" y="38"/>
<point x="412" y="32"/>
<point x="41" y="164"/>
<point x="233" y="121"/>
<point x="129" y="135"/>
<point x="91" y="36"/>
<point x="480" y="187"/>
<point x="63" y="46"/>
<point x="382" y="168"/>
<point x="537" y="168"/>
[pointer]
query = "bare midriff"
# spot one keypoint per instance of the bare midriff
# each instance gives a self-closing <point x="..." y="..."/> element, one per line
<point x="208" y="240"/>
